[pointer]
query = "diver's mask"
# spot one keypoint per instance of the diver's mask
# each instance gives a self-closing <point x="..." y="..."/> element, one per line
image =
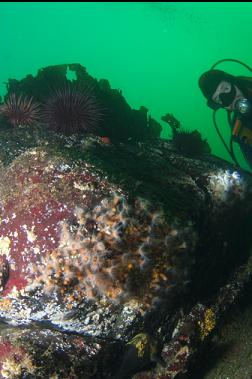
<point x="224" y="94"/>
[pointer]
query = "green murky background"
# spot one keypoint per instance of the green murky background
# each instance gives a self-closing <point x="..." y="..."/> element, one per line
<point x="153" y="52"/>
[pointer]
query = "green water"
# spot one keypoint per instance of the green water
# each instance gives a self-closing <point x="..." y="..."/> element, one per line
<point x="153" y="52"/>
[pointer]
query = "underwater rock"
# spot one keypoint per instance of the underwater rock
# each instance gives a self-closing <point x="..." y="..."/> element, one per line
<point x="111" y="241"/>
<point x="195" y="330"/>
<point x="45" y="353"/>
<point x="76" y="241"/>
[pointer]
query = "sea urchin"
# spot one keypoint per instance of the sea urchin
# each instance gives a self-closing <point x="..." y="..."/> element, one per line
<point x="20" y="110"/>
<point x="71" y="110"/>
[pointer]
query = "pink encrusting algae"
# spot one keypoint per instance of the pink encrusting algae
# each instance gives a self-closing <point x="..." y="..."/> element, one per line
<point x="37" y="194"/>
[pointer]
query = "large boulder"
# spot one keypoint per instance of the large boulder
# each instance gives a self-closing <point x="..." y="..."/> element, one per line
<point x="101" y="243"/>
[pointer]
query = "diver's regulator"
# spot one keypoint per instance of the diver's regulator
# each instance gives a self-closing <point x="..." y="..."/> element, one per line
<point x="243" y="106"/>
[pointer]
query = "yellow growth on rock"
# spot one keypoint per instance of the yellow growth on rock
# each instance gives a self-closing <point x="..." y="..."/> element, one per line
<point x="4" y="246"/>
<point x="140" y="342"/>
<point x="5" y="304"/>
<point x="17" y="365"/>
<point x="207" y="324"/>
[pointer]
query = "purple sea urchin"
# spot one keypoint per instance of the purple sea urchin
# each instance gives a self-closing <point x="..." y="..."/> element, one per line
<point x="71" y="110"/>
<point x="20" y="110"/>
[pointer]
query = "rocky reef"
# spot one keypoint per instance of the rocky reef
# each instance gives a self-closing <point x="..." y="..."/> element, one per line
<point x="117" y="257"/>
<point x="69" y="100"/>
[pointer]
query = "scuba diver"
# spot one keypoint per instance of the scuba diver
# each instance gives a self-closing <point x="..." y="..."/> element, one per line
<point x="234" y="94"/>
